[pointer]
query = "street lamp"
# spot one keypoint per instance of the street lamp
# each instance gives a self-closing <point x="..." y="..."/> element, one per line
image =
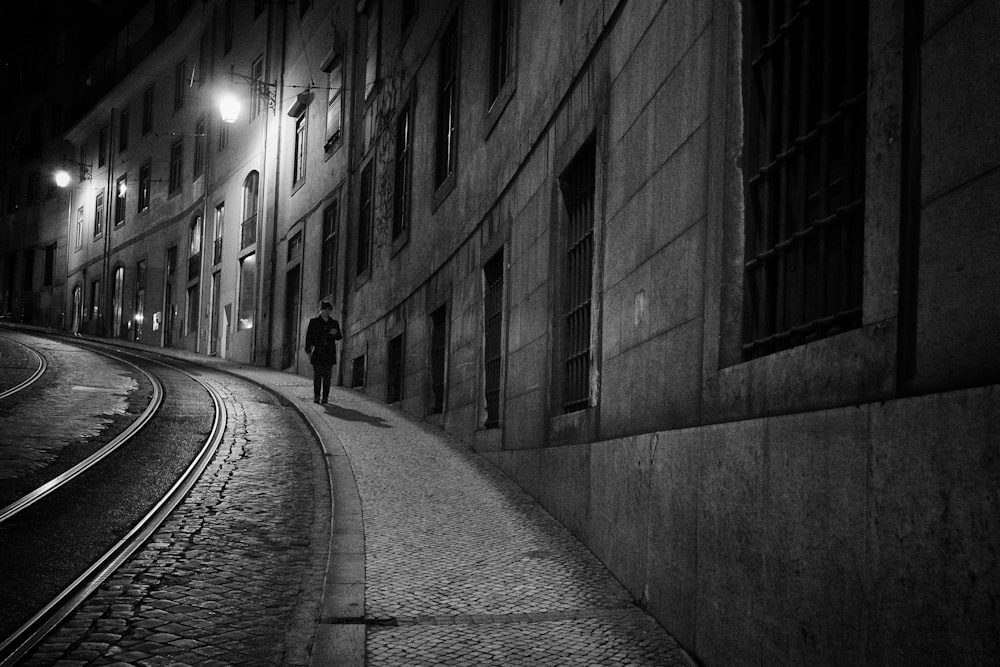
<point x="229" y="107"/>
<point x="63" y="178"/>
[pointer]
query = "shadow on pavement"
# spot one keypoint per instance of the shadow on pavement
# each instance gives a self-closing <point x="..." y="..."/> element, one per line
<point x="350" y="415"/>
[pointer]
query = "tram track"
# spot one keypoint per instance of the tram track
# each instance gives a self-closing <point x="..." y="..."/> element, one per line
<point x="84" y="480"/>
<point x="31" y="379"/>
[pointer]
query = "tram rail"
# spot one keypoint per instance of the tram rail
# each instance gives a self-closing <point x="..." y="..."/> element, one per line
<point x="21" y="642"/>
<point x="30" y="380"/>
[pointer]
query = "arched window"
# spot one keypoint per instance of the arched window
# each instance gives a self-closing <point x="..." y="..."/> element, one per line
<point x="194" y="248"/>
<point x="248" y="231"/>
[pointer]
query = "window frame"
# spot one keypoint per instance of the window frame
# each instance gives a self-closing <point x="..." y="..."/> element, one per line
<point x="447" y="109"/>
<point x="176" y="178"/>
<point x="145" y="186"/>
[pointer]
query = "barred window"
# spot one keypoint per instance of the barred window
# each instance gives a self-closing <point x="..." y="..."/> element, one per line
<point x="577" y="185"/>
<point x="805" y="96"/>
<point x="493" y="337"/>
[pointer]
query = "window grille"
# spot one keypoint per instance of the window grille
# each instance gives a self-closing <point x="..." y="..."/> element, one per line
<point x="439" y="349"/>
<point x="493" y="337"/>
<point x="394" y="383"/>
<point x="577" y="184"/>
<point x="805" y="147"/>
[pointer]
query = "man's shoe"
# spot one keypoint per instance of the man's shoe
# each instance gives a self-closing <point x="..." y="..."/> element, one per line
<point x="324" y="401"/>
<point x="316" y="400"/>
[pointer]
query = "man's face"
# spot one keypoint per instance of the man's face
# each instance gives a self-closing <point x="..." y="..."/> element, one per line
<point x="325" y="314"/>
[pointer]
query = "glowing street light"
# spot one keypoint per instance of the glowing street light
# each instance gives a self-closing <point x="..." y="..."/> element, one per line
<point x="229" y="106"/>
<point x="62" y="178"/>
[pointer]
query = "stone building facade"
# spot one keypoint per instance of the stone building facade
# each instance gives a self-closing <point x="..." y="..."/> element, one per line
<point x="714" y="281"/>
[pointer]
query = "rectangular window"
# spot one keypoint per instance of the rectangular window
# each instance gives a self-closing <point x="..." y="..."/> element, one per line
<point x="445" y="148"/>
<point x="145" y="182"/>
<point x="176" y="165"/>
<point x="328" y="259"/>
<point x="394" y="370"/>
<point x="227" y="31"/>
<point x="219" y="227"/>
<point x="34" y="187"/>
<point x="404" y="156"/>
<point x="123" y="130"/>
<point x="78" y="236"/>
<point x="223" y="135"/>
<point x="95" y="299"/>
<point x="577" y="186"/>
<point x="147" y="111"/>
<point x="248" y="287"/>
<point x="372" y="20"/>
<point x="248" y="228"/>
<point x="334" y="103"/>
<point x="408" y="12"/>
<point x="203" y="52"/>
<point x="256" y="87"/>
<point x="120" y="190"/>
<point x="193" y="310"/>
<point x="299" y="156"/>
<point x="439" y="352"/>
<point x="805" y="117"/>
<point x="501" y="46"/>
<point x="28" y="281"/>
<point x="98" y="213"/>
<point x="171" y="260"/>
<point x="199" y="148"/>
<point x="492" y="337"/>
<point x="180" y="82"/>
<point x="366" y="214"/>
<point x="102" y="147"/>
<point x="50" y="262"/>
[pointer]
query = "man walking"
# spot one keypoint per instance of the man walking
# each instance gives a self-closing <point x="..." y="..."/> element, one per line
<point x="322" y="335"/>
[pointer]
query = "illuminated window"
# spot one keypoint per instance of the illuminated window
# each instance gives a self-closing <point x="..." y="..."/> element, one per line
<point x="248" y="287"/>
<point x="248" y="228"/>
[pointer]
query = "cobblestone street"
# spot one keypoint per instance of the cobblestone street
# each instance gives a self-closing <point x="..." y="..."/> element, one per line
<point x="235" y="575"/>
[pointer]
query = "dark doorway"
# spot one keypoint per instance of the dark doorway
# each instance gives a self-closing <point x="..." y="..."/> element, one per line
<point x="290" y="340"/>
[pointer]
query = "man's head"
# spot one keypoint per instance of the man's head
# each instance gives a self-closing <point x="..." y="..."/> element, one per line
<point x="326" y="309"/>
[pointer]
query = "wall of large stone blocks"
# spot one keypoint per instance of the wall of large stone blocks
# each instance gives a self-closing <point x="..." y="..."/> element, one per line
<point x="858" y="535"/>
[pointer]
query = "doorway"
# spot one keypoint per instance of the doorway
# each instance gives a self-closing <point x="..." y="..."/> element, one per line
<point x="290" y="341"/>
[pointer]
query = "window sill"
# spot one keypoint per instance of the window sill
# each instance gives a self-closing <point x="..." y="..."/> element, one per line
<point x="499" y="105"/>
<point x="443" y="190"/>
